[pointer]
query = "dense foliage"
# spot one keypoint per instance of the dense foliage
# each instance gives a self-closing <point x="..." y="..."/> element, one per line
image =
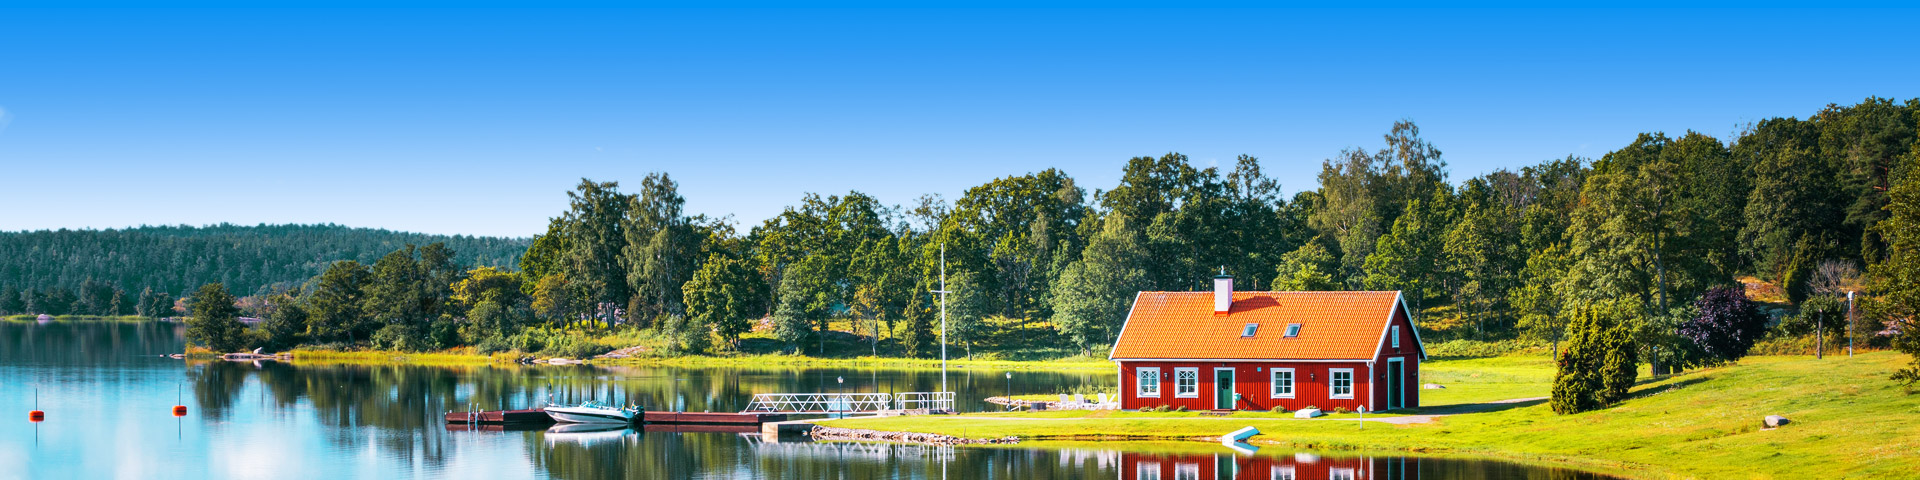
<point x="105" y="272"/>
<point x="1610" y="256"/>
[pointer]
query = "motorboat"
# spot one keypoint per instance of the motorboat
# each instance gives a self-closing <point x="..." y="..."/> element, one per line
<point x="591" y="412"/>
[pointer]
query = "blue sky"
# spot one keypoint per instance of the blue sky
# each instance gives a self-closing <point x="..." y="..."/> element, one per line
<point x="478" y="121"/>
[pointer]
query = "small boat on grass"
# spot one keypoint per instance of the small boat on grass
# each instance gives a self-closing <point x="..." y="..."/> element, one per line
<point x="592" y="412"/>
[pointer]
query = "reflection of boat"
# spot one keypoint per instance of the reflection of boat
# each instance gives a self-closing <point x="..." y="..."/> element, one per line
<point x="587" y="433"/>
<point x="591" y="412"/>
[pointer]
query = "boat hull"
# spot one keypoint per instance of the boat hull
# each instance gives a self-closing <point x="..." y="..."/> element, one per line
<point x="589" y="415"/>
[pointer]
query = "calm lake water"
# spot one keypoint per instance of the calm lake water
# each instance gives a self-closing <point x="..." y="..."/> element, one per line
<point x="107" y="391"/>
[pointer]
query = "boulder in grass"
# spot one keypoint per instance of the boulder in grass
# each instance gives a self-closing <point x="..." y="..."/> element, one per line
<point x="1307" y="413"/>
<point x="1775" y="421"/>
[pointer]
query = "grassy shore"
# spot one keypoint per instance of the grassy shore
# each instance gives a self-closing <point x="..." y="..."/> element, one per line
<point x="467" y="356"/>
<point x="78" y="318"/>
<point x="1849" y="421"/>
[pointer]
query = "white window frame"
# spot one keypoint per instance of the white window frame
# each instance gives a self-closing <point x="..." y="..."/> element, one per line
<point x="1249" y="330"/>
<point x="1177" y="386"/>
<point x="1147" y="471"/>
<point x="1396" y="336"/>
<point x="1293" y="330"/>
<point x="1183" y="471"/>
<point x="1273" y="380"/>
<point x="1342" y="474"/>
<point x="1283" y="472"/>
<point x="1333" y="383"/>
<point x="1140" y="377"/>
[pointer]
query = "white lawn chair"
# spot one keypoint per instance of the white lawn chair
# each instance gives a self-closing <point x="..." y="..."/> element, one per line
<point x="1080" y="399"/>
<point x="1065" y="403"/>
<point x="1103" y="400"/>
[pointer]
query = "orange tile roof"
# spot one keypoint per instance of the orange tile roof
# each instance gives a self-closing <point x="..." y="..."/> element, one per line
<point x="1182" y="325"/>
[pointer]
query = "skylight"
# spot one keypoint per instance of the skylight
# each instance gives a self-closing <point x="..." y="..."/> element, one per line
<point x="1293" y="329"/>
<point x="1249" y="331"/>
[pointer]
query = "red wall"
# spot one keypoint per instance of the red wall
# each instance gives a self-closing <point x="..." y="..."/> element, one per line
<point x="1253" y="382"/>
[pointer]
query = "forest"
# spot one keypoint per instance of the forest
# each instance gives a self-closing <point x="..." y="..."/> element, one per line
<point x="1678" y="251"/>
<point x="114" y="272"/>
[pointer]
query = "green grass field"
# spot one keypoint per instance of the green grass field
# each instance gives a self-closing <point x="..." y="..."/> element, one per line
<point x="1849" y="421"/>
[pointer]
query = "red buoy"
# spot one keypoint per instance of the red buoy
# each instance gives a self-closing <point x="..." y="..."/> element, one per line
<point x="179" y="410"/>
<point x="36" y="416"/>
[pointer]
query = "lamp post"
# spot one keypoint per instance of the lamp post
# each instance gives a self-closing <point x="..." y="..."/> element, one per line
<point x="1009" y="388"/>
<point x="843" y="392"/>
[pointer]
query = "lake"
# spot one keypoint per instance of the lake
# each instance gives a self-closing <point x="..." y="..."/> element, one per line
<point x="107" y="389"/>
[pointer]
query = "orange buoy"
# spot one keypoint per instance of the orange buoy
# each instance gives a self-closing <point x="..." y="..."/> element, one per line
<point x="179" y="410"/>
<point x="36" y="416"/>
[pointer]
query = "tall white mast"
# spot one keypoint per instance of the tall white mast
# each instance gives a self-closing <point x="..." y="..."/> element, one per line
<point x="943" y="318"/>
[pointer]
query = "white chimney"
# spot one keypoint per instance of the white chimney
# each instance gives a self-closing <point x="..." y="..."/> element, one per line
<point x="1222" y="293"/>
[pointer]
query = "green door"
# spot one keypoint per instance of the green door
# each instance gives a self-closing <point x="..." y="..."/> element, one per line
<point x="1223" y="389"/>
<point x="1394" y="392"/>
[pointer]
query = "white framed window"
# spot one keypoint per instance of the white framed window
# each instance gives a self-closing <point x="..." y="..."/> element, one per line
<point x="1283" y="472"/>
<point x="1148" y="384"/>
<point x="1186" y="382"/>
<point x="1340" y="474"/>
<point x="1340" y="383"/>
<point x="1147" y="471"/>
<point x="1396" y="336"/>
<point x="1186" y="471"/>
<point x="1282" y="383"/>
<point x="1248" y="332"/>
<point x="1293" y="329"/>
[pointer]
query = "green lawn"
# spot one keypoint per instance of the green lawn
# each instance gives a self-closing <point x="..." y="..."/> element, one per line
<point x="1849" y="422"/>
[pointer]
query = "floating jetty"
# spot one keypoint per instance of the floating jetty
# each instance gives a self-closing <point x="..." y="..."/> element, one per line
<point x="501" y="417"/>
<point x="540" y="417"/>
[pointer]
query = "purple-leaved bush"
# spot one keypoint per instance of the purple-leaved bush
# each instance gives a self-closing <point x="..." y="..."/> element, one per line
<point x="1728" y="325"/>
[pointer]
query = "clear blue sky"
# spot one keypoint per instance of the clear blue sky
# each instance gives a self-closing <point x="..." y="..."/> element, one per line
<point x="478" y="121"/>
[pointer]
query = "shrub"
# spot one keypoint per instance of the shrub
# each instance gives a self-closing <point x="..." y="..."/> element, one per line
<point x="399" y="337"/>
<point x="1311" y="407"/>
<point x="1181" y="408"/>
<point x="493" y="344"/>
<point x="1279" y="410"/>
<point x="1728" y="324"/>
<point x="1597" y="366"/>
<point x="1341" y="410"/>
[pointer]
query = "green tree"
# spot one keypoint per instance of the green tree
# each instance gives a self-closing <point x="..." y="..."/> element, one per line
<point x="397" y="290"/>
<point x="727" y="294"/>
<point x="336" y="303"/>
<point x="806" y="297"/>
<point x="1896" y="280"/>
<point x="488" y="284"/>
<point x="284" y="327"/>
<point x="154" y="304"/>
<point x="215" y="322"/>
<point x="1598" y="365"/>
<point x="1095" y="292"/>
<point x="10" y="303"/>
<point x="1793" y="197"/>
<point x="1535" y="300"/>
<point x="1307" y="268"/>
<point x="1408" y="258"/>
<point x="663" y="248"/>
<point x="595" y="267"/>
<point x="966" y="309"/>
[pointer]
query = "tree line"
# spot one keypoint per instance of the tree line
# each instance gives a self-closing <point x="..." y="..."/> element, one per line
<point x="1635" y="257"/>
<point x="143" y="270"/>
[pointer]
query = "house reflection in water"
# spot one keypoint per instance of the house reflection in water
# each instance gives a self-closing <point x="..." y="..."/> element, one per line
<point x="1306" y="466"/>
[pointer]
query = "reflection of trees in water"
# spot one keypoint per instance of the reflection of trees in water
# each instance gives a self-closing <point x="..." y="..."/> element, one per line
<point x="86" y="342"/>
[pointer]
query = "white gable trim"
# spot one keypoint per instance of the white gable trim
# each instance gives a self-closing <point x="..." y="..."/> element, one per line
<point x="1123" y="325"/>
<point x="1400" y="299"/>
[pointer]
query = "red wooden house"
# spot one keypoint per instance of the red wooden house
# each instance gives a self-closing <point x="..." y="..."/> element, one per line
<point x="1227" y="350"/>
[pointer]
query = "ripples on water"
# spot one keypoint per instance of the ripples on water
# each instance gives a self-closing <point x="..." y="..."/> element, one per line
<point x="107" y="390"/>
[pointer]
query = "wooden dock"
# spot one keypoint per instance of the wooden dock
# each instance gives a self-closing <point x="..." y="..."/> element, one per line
<point x="710" y="418"/>
<point x="532" y="416"/>
<point x="539" y="417"/>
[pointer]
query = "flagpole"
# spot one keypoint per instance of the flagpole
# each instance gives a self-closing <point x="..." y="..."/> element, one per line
<point x="943" y="317"/>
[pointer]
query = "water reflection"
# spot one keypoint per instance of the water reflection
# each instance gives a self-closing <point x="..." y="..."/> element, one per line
<point x="107" y="389"/>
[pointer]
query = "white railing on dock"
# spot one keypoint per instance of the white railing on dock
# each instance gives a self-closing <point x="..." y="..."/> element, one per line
<point x="819" y="402"/>
<point x="931" y="401"/>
